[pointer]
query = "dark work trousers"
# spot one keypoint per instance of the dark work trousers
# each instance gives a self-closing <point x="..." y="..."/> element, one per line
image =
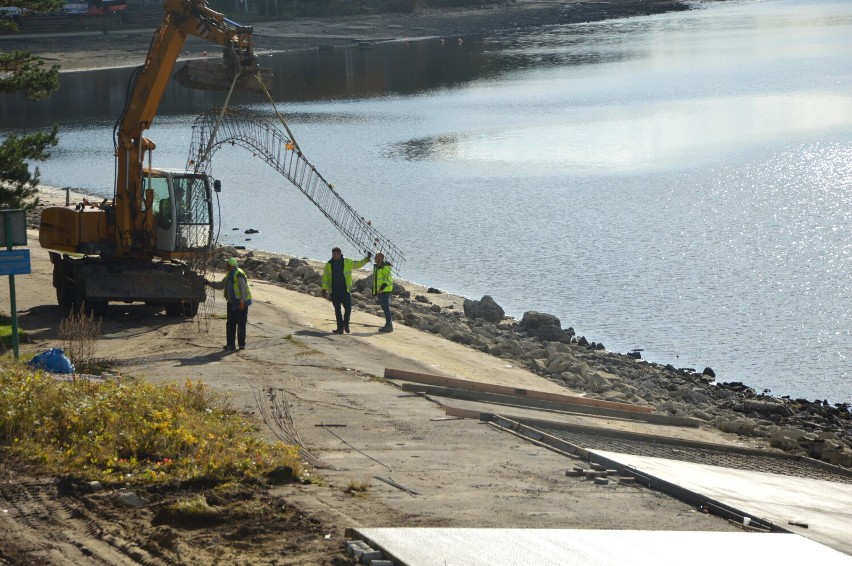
<point x="344" y="299"/>
<point x="384" y="302"/>
<point x="235" y="325"/>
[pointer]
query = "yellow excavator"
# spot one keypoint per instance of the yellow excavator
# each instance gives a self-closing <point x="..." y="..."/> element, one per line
<point x="139" y="246"/>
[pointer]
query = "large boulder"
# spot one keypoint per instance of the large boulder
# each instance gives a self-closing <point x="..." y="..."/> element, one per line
<point x="533" y="320"/>
<point x="551" y="333"/>
<point x="486" y="309"/>
<point x="308" y="274"/>
<point x="364" y="285"/>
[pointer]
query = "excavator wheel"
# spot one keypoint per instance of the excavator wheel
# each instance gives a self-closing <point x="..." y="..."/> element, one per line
<point x="65" y="289"/>
<point x="90" y="307"/>
<point x="65" y="294"/>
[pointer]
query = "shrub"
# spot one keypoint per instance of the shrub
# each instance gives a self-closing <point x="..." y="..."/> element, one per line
<point x="78" y="336"/>
<point x="131" y="431"/>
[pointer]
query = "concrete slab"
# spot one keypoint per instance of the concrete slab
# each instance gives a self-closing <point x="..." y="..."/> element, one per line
<point x="824" y="506"/>
<point x="566" y="547"/>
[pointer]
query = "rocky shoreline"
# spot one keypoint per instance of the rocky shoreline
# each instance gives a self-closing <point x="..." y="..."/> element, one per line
<point x="539" y="343"/>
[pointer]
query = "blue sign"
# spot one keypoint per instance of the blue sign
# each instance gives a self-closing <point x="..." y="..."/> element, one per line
<point x="15" y="262"/>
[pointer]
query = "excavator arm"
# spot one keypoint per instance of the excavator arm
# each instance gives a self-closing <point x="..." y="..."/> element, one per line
<point x="114" y="251"/>
<point x="133" y="217"/>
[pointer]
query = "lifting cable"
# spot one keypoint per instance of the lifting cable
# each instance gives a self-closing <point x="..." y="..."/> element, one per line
<point x="277" y="113"/>
<point x="221" y="114"/>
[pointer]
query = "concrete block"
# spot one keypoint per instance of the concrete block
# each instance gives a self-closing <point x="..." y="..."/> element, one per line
<point x="370" y="556"/>
<point x="356" y="545"/>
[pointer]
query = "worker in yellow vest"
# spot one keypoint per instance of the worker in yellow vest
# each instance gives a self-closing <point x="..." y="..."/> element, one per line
<point x="238" y="294"/>
<point x="383" y="288"/>
<point x="337" y="286"/>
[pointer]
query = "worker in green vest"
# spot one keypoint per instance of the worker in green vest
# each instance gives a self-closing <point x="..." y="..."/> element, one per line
<point x="238" y="294"/>
<point x="383" y="288"/>
<point x="337" y="286"/>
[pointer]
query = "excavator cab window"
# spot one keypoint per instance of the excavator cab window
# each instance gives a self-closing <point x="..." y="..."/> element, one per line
<point x="182" y="211"/>
<point x="191" y="196"/>
<point x="162" y="200"/>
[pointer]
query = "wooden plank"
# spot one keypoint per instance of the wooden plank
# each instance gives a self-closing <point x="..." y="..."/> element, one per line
<point x="442" y="381"/>
<point x="510" y="400"/>
<point x="463" y="413"/>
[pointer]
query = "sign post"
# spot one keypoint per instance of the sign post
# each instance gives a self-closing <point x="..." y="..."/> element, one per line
<point x="13" y="233"/>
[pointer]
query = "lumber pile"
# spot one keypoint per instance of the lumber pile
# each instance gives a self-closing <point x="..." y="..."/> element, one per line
<point x="454" y="388"/>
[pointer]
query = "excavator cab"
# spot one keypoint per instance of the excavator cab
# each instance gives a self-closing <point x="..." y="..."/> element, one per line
<point x="182" y="210"/>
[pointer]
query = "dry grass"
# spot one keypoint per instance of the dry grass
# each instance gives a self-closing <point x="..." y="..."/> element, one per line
<point x="356" y="487"/>
<point x="131" y="431"/>
<point x="78" y="336"/>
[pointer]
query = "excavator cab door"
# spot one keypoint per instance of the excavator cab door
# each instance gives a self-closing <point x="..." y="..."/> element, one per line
<point x="183" y="213"/>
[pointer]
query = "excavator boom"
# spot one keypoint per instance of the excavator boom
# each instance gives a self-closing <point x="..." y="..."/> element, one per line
<point x="134" y="220"/>
<point x="128" y="253"/>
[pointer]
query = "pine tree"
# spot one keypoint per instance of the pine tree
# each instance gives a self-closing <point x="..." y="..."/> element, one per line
<point x="22" y="72"/>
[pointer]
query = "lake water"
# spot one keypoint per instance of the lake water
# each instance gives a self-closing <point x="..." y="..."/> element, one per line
<point x="679" y="183"/>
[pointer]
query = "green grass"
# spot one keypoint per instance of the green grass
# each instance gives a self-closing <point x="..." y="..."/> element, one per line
<point x="6" y="331"/>
<point x="296" y="342"/>
<point x="130" y="431"/>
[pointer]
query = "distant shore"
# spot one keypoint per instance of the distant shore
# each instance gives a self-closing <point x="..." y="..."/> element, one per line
<point x="128" y="48"/>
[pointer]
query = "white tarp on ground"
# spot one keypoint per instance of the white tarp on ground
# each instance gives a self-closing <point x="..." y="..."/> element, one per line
<point x="551" y="547"/>
<point x="826" y="507"/>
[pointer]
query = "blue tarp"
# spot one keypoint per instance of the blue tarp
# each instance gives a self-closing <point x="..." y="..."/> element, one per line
<point x="53" y="360"/>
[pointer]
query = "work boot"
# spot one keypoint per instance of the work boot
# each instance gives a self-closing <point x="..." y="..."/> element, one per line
<point x="346" y="328"/>
<point x="386" y="329"/>
<point x="228" y="347"/>
<point x="337" y="331"/>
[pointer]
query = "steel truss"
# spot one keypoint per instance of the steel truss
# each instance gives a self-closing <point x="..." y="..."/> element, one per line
<point x="262" y="136"/>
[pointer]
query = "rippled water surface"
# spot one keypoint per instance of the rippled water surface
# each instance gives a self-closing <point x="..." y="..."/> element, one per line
<point x="679" y="183"/>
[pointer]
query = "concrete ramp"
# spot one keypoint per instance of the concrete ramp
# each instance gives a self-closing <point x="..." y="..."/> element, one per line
<point x="554" y="547"/>
<point x="814" y="508"/>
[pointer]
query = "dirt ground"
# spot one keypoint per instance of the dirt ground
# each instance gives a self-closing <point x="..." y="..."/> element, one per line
<point x="327" y="391"/>
<point x="303" y="384"/>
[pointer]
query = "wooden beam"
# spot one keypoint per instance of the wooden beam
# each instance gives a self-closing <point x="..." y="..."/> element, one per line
<point x="463" y="413"/>
<point x="526" y="402"/>
<point x="442" y="381"/>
